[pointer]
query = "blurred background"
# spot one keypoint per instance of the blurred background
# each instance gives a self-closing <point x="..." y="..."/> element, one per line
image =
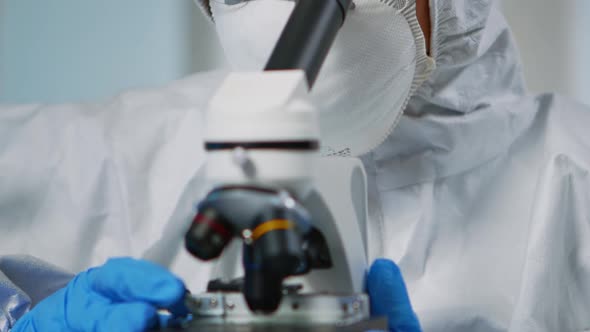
<point x="72" y="50"/>
<point x="83" y="50"/>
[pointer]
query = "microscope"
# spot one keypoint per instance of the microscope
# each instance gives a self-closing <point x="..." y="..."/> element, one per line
<point x="285" y="226"/>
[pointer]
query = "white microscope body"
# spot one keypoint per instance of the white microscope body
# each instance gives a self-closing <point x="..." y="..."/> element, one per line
<point x="263" y="133"/>
<point x="291" y="222"/>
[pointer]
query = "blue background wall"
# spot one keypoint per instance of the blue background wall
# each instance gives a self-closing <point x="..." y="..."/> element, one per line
<point x="82" y="50"/>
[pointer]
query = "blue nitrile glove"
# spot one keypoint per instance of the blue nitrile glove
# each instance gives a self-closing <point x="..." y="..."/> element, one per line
<point x="389" y="297"/>
<point x="122" y="295"/>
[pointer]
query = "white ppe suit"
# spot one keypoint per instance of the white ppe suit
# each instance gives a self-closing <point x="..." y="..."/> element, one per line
<point x="481" y="194"/>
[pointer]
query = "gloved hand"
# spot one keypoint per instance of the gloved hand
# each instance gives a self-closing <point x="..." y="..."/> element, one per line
<point x="122" y="295"/>
<point x="389" y="297"/>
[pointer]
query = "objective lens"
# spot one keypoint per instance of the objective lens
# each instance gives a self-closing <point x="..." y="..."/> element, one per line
<point x="208" y="235"/>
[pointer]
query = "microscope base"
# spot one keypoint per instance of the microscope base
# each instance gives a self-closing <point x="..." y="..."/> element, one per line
<point x="369" y="325"/>
<point x="228" y="312"/>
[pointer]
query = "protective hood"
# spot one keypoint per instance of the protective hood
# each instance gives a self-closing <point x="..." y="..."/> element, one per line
<point x="468" y="111"/>
<point x="204" y="5"/>
<point x="475" y="55"/>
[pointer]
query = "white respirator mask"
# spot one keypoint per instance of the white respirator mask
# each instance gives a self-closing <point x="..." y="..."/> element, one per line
<point x="375" y="65"/>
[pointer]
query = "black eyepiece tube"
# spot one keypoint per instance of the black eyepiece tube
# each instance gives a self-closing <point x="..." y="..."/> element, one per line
<point x="308" y="36"/>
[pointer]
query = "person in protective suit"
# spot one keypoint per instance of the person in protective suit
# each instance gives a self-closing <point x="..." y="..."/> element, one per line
<point x="480" y="194"/>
